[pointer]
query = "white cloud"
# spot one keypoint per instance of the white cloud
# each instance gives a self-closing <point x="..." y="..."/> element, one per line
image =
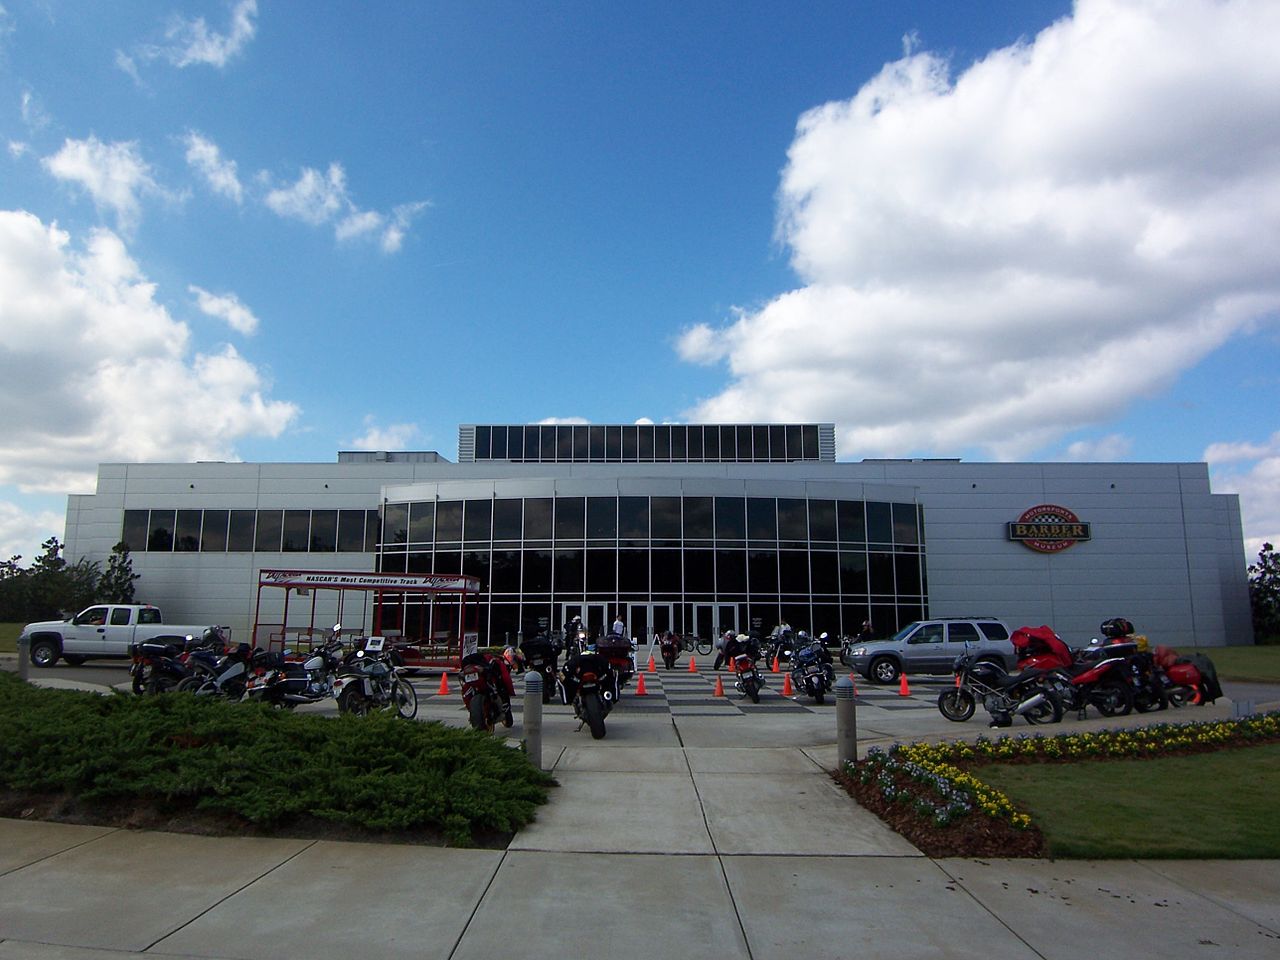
<point x="1002" y="257"/>
<point x="226" y="306"/>
<point x="191" y="42"/>
<point x="18" y="149"/>
<point x="561" y="421"/>
<point x="395" y="436"/>
<point x="315" y="197"/>
<point x="206" y="159"/>
<point x="93" y="369"/>
<point x="318" y="198"/>
<point x="22" y="531"/>
<point x="113" y="174"/>
<point x="1102" y="450"/>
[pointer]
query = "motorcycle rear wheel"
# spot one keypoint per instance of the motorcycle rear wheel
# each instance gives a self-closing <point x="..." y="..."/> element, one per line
<point x="1113" y="699"/>
<point x="593" y="711"/>
<point x="353" y="701"/>
<point x="819" y="696"/>
<point x="752" y="689"/>
<point x="476" y="714"/>
<point x="956" y="704"/>
<point x="1050" y="711"/>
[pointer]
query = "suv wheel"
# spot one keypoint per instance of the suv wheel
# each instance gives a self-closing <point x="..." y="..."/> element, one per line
<point x="883" y="670"/>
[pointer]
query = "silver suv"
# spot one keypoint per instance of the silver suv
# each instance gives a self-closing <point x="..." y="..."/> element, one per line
<point x="929" y="646"/>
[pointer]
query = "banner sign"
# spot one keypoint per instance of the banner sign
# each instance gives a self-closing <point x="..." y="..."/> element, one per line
<point x="455" y="583"/>
<point x="1048" y="528"/>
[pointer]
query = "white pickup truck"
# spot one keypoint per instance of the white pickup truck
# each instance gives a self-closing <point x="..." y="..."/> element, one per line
<point x="102" y="631"/>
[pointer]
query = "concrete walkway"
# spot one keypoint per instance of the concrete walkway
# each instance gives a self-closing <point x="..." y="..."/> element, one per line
<point x="685" y="833"/>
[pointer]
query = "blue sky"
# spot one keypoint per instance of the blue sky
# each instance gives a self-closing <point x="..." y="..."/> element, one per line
<point x="996" y="230"/>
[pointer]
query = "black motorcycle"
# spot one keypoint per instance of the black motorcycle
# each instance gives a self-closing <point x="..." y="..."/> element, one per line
<point x="157" y="664"/>
<point x="811" y="670"/>
<point x="286" y="682"/>
<point x="369" y="680"/>
<point x="1005" y="695"/>
<point x="542" y="654"/>
<point x="590" y="683"/>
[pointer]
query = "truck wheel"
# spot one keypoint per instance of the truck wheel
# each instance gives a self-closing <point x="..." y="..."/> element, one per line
<point x="44" y="653"/>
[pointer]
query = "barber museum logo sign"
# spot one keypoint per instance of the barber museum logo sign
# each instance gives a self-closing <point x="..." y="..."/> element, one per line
<point x="1048" y="528"/>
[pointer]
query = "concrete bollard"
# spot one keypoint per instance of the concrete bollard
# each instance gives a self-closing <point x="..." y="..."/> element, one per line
<point x="533" y="717"/>
<point x="846" y="722"/>
<point x="24" y="657"/>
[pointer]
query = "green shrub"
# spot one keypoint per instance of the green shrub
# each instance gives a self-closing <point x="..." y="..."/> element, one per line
<point x="263" y="765"/>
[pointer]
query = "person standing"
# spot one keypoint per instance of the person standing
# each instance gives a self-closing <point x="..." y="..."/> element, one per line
<point x="619" y="628"/>
<point x="867" y="633"/>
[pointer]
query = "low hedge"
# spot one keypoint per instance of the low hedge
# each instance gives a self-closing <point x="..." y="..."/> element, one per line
<point x="265" y="767"/>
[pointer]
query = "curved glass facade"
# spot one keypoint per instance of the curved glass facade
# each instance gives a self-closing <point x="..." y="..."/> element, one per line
<point x="693" y="564"/>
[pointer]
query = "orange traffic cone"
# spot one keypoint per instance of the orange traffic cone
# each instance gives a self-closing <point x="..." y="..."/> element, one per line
<point x="444" y="685"/>
<point x="653" y="667"/>
<point x="775" y="668"/>
<point x="693" y="664"/>
<point x="640" y="690"/>
<point x="903" y="689"/>
<point x="719" y="691"/>
<point x="786" y="685"/>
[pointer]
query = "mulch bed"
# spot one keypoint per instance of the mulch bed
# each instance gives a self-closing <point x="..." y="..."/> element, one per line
<point x="974" y="835"/>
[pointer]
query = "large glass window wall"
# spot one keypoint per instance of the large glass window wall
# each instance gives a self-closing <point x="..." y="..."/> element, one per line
<point x="822" y="565"/>
<point x="647" y="443"/>
<point x="273" y="531"/>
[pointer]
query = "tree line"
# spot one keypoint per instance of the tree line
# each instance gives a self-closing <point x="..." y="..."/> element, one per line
<point x="51" y="587"/>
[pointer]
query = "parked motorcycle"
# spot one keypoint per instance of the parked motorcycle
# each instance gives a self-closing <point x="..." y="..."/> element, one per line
<point x="541" y="654"/>
<point x="287" y="682"/>
<point x="160" y="664"/>
<point x="225" y="677"/>
<point x="669" y="646"/>
<point x="1004" y="695"/>
<point x="369" y="681"/>
<point x="1192" y="679"/>
<point x="746" y="676"/>
<point x="591" y="685"/>
<point x="1098" y="675"/>
<point x="811" y="670"/>
<point x="484" y="681"/>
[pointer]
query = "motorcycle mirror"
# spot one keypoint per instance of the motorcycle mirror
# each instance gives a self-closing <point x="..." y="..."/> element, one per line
<point x="337" y="628"/>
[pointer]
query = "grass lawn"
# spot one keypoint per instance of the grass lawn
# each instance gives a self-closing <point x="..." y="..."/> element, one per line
<point x="1242" y="663"/>
<point x="1214" y="805"/>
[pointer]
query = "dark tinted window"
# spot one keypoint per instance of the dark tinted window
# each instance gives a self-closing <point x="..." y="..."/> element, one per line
<point x="120" y="617"/>
<point x="213" y="531"/>
<point x="731" y="571"/>
<point x="762" y="518"/>
<point x="744" y="443"/>
<point x="679" y="443"/>
<point x="422" y="521"/>
<point x="581" y="446"/>
<point x="537" y="518"/>
<point x="537" y="571"/>
<point x="699" y="523"/>
<point x="633" y="571"/>
<point x="731" y="518"/>
<point x="499" y="444"/>
<point x="793" y="520"/>
<point x="904" y="523"/>
<point x="507" y="518"/>
<point x="596" y="442"/>
<point x="824" y="568"/>
<point x="822" y="520"/>
<point x="482" y="443"/>
<point x="570" y="512"/>
<point x="665" y="518"/>
<point x="962" y="633"/>
<point x="160" y="534"/>
<point x="395" y="525"/>
<point x="569" y="572"/>
<point x="350" y="531"/>
<point x="645" y="435"/>
<point x="853" y="573"/>
<point x="666" y="571"/>
<point x="613" y="444"/>
<point x="695" y="444"/>
<point x="795" y="445"/>
<point x="297" y="531"/>
<point x="994" y="631"/>
<point x="547" y="445"/>
<point x="810" y="439"/>
<point x="602" y="571"/>
<point x="630" y="444"/>
<point x="532" y="443"/>
<point x="880" y="568"/>
<point x="134" y="533"/>
<point x="662" y="442"/>
<point x="506" y="571"/>
<point x="241" y="528"/>
<point x="879" y="523"/>
<point x="449" y="521"/>
<point x="711" y="443"/>
<point x="270" y="525"/>
<point x="186" y="536"/>
<point x="760" y="442"/>
<point x="699" y="571"/>
<point x="479" y="520"/>
<point x="762" y="571"/>
<point x="324" y="531"/>
<point x="793" y="571"/>
<point x="602" y="520"/>
<point x="852" y="521"/>
<point x="907" y="569"/>
<point x="633" y="518"/>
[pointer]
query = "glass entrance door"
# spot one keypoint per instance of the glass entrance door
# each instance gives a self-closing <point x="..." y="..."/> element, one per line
<point x="592" y="614"/>
<point x="646" y="619"/>
<point x="712" y="619"/>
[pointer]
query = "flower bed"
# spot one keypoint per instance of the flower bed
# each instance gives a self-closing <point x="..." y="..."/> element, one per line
<point x="929" y="793"/>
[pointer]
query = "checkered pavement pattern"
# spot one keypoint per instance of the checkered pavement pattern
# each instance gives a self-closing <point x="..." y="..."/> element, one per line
<point x="679" y="693"/>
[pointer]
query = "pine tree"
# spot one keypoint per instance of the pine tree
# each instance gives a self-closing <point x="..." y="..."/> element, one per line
<point x="117" y="582"/>
<point x="1264" y="595"/>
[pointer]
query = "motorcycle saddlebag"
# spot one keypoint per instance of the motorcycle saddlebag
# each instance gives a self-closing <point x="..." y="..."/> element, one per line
<point x="1183" y="673"/>
<point x="1116" y="627"/>
<point x="1209" y="685"/>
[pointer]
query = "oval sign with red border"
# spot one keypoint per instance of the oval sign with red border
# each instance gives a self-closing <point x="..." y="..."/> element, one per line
<point x="1048" y="528"/>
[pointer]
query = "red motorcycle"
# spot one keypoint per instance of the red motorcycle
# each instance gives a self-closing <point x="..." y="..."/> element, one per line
<point x="1192" y="679"/>
<point x="487" y="691"/>
<point x="1095" y="676"/>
